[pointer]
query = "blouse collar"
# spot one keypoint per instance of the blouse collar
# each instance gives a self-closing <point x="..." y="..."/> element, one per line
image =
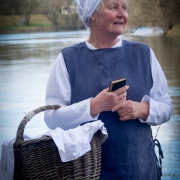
<point x="90" y="46"/>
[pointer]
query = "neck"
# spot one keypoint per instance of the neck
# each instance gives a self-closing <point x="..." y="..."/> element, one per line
<point x="100" y="40"/>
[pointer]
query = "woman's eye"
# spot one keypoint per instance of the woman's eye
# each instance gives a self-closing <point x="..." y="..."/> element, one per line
<point x="124" y="8"/>
<point x="114" y="7"/>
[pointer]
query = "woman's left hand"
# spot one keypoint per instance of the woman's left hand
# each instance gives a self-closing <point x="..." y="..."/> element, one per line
<point x="132" y="110"/>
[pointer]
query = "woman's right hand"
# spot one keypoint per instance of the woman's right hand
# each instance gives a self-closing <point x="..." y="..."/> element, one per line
<point x="106" y="100"/>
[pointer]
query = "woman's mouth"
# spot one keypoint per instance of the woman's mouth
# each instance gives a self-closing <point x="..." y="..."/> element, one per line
<point x="118" y="23"/>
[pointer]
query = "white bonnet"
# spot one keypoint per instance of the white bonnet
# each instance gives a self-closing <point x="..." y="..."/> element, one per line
<point x="85" y="9"/>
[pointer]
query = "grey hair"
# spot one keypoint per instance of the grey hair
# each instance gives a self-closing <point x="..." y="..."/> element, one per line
<point x="96" y="10"/>
<point x="100" y="4"/>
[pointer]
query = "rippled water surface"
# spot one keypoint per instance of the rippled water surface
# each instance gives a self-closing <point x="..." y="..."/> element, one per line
<point x="25" y="64"/>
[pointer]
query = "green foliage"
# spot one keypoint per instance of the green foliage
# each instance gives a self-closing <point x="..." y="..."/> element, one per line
<point x="23" y="8"/>
<point x="11" y="24"/>
<point x="143" y="13"/>
<point x="175" y="31"/>
<point x="171" y="13"/>
<point x="62" y="14"/>
<point x="162" y="13"/>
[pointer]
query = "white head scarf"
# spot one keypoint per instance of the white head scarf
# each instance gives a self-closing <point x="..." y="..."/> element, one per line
<point x="85" y="9"/>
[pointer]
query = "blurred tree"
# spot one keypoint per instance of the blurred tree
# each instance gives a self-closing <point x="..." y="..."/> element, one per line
<point x="170" y="10"/>
<point x="144" y="13"/>
<point x="5" y="8"/>
<point x="61" y="13"/>
<point x="23" y="8"/>
<point x="72" y="19"/>
<point x="162" y="13"/>
<point x="165" y="2"/>
<point x="52" y="10"/>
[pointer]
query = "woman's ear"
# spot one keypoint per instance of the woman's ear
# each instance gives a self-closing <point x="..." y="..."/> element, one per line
<point x="92" y="17"/>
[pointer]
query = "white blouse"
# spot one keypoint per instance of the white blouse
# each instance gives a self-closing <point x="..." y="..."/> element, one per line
<point x="58" y="91"/>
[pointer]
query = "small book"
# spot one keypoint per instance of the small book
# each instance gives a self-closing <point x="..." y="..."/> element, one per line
<point x="116" y="84"/>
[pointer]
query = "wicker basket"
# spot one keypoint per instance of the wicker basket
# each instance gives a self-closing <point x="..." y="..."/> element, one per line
<point x="39" y="158"/>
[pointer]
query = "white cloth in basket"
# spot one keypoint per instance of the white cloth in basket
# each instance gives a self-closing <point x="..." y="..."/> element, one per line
<point x="7" y="158"/>
<point x="74" y="143"/>
<point x="71" y="144"/>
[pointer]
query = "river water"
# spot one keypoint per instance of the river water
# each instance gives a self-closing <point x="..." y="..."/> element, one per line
<point x="25" y="64"/>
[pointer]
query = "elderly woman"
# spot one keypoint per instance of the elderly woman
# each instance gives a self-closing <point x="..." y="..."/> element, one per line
<point x="80" y="78"/>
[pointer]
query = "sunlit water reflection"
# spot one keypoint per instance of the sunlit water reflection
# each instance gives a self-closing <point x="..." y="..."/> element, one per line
<point x="25" y="64"/>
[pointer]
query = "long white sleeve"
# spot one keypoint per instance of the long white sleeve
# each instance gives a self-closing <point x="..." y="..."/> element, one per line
<point x="58" y="91"/>
<point x="160" y="103"/>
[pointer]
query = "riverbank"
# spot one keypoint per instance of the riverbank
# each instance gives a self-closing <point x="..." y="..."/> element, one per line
<point x="12" y="24"/>
<point x="175" y="31"/>
<point x="38" y="23"/>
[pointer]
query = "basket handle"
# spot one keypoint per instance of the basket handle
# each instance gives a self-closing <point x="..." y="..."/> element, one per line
<point x="28" y="117"/>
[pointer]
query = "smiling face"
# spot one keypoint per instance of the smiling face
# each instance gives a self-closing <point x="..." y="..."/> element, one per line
<point x="111" y="18"/>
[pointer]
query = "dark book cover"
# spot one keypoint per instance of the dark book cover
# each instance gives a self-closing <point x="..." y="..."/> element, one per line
<point x="116" y="84"/>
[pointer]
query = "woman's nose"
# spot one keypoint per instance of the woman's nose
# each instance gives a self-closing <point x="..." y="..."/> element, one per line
<point x="121" y="12"/>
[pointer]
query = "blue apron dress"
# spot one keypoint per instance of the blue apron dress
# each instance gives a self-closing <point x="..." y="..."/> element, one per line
<point x="128" y="153"/>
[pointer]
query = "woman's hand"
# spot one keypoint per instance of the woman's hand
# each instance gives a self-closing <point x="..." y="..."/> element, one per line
<point x="105" y="100"/>
<point x="132" y="110"/>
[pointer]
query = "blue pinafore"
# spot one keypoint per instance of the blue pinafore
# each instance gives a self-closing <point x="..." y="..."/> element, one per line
<point x="128" y="153"/>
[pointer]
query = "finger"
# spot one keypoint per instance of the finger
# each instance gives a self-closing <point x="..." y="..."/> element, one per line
<point x="122" y="96"/>
<point x="127" y="87"/>
<point x="115" y="108"/>
<point x="123" y="112"/>
<point x="125" y="118"/>
<point x="124" y="109"/>
<point x="119" y="106"/>
<point x="106" y="90"/>
<point x="121" y="90"/>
